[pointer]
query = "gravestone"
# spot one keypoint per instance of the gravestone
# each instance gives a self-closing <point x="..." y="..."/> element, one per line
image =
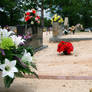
<point x="36" y="40"/>
<point x="66" y="23"/>
<point x="57" y="31"/>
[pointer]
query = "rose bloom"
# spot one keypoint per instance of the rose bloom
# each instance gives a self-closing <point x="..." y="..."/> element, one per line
<point x="30" y="17"/>
<point x="38" y="17"/>
<point x="38" y="22"/>
<point x="27" y="18"/>
<point x="33" y="11"/>
<point x="65" y="47"/>
<point x="27" y="13"/>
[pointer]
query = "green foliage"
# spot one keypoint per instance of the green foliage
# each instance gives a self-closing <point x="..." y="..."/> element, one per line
<point x="13" y="10"/>
<point x="78" y="11"/>
<point x="23" y="68"/>
<point x="47" y="22"/>
<point x="8" y="81"/>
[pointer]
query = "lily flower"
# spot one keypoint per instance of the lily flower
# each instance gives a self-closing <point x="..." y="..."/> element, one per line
<point x="17" y="40"/>
<point x="4" y="33"/>
<point x="8" y="69"/>
<point x="26" y="57"/>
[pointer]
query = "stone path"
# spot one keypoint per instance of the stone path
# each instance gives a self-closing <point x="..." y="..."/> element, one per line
<point x="35" y="85"/>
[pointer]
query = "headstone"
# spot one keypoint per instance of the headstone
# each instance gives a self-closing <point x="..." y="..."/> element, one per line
<point x="36" y="40"/>
<point x="57" y="31"/>
<point x="66" y="22"/>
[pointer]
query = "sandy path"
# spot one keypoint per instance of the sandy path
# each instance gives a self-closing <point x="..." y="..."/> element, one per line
<point x="49" y="62"/>
<point x="31" y="85"/>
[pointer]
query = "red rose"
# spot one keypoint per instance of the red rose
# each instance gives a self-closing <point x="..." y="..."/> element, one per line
<point x="38" y="17"/>
<point x="65" y="47"/>
<point x="27" y="13"/>
<point x="27" y="18"/>
<point x="33" y="11"/>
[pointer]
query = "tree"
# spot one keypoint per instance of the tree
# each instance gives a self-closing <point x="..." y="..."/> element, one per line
<point x="14" y="10"/>
<point x="78" y="11"/>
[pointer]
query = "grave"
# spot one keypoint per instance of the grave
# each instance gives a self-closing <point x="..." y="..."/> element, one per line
<point x="57" y="31"/>
<point x="36" y="40"/>
<point x="66" y="23"/>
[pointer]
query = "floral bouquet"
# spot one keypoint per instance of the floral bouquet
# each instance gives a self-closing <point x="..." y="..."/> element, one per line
<point x="32" y="18"/>
<point x="15" y="58"/>
<point x="57" y="18"/>
<point x="27" y="36"/>
<point x="65" y="47"/>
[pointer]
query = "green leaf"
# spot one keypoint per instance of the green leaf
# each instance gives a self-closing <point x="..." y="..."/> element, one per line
<point x="33" y="65"/>
<point x="19" y="74"/>
<point x="33" y="73"/>
<point x="8" y="81"/>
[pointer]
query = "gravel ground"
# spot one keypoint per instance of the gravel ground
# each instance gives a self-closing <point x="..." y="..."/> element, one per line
<point x="49" y="62"/>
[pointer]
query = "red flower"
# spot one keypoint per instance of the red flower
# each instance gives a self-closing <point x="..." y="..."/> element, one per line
<point x="27" y="18"/>
<point x="65" y="47"/>
<point x="27" y="13"/>
<point x="33" y="11"/>
<point x="38" y="17"/>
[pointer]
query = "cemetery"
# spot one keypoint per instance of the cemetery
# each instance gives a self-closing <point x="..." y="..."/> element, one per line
<point x="44" y="46"/>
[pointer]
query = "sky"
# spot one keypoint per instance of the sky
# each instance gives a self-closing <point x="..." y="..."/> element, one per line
<point x="46" y="14"/>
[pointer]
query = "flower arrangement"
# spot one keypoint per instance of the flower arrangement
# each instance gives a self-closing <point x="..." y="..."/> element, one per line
<point x="57" y="18"/>
<point x="27" y="36"/>
<point x="15" y="58"/>
<point x="31" y="17"/>
<point x="65" y="47"/>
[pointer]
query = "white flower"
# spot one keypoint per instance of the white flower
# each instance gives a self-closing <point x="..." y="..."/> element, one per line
<point x="8" y="68"/>
<point x="29" y="10"/>
<point x="32" y="22"/>
<point x="4" y="33"/>
<point x="17" y="40"/>
<point x="26" y="57"/>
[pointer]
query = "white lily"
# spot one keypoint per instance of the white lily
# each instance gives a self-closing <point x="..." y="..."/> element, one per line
<point x="4" y="33"/>
<point x="8" y="68"/>
<point x="26" y="57"/>
<point x="17" y="40"/>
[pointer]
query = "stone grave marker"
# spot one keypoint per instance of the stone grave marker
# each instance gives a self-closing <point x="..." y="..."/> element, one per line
<point x="57" y="31"/>
<point x="36" y="40"/>
<point x="66" y="23"/>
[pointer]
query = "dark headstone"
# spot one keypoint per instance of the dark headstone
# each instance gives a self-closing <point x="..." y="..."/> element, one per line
<point x="37" y="35"/>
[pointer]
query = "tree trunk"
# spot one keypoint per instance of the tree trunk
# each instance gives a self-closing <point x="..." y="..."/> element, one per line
<point x="42" y="14"/>
<point x="11" y="17"/>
